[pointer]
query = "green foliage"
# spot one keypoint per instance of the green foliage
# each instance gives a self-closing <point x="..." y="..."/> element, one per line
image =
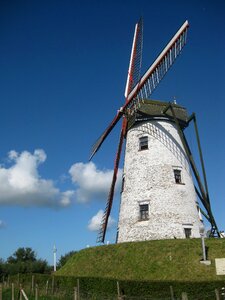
<point x="23" y="260"/>
<point x="64" y="258"/>
<point x="61" y="287"/>
<point x="38" y="266"/>
<point x="2" y="268"/>
<point x="22" y="255"/>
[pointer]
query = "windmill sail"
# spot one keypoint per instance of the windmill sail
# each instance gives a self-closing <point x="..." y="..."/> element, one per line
<point x="132" y="79"/>
<point x="101" y="139"/>
<point x="159" y="68"/>
<point x="149" y="81"/>
<point x="135" y="59"/>
<point x="104" y="221"/>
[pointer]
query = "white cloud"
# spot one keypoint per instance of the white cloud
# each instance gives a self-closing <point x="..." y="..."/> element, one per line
<point x="95" y="222"/>
<point x="92" y="183"/>
<point x="21" y="183"/>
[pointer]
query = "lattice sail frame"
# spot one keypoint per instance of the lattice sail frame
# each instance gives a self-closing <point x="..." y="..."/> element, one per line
<point x="158" y="69"/>
<point x="134" y="70"/>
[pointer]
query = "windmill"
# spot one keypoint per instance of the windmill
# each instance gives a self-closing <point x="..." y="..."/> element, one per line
<point x="164" y="123"/>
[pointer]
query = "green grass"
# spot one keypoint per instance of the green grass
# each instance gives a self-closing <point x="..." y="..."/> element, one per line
<point x="163" y="260"/>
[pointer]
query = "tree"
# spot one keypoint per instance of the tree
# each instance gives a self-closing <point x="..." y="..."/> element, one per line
<point x="2" y="268"/>
<point x="22" y="255"/>
<point x="24" y="260"/>
<point x="64" y="258"/>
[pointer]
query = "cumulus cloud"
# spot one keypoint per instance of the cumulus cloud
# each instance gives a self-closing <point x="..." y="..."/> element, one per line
<point x="21" y="183"/>
<point x="92" y="183"/>
<point x="95" y="222"/>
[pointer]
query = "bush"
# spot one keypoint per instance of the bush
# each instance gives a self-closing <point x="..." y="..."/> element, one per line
<point x="102" y="287"/>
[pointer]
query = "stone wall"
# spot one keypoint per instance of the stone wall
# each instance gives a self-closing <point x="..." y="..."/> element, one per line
<point x="149" y="179"/>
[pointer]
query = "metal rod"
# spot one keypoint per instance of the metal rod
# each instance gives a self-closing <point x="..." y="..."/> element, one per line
<point x="203" y="247"/>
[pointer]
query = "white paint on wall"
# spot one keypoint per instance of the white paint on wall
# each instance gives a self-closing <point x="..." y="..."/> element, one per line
<point x="149" y="178"/>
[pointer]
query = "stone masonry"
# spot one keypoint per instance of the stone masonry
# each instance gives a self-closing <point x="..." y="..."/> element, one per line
<point x="149" y="181"/>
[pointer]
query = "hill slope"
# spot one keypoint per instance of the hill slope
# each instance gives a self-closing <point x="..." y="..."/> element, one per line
<point x="177" y="260"/>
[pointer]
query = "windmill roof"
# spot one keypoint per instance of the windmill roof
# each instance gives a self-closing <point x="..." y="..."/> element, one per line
<point x="154" y="108"/>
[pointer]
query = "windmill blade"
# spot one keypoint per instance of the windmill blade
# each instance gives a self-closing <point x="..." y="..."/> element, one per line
<point x="101" y="139"/>
<point x="135" y="58"/>
<point x="159" y="68"/>
<point x="105" y="218"/>
<point x="132" y="79"/>
<point x="149" y="80"/>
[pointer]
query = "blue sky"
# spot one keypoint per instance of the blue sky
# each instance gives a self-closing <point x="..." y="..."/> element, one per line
<point x="63" y="69"/>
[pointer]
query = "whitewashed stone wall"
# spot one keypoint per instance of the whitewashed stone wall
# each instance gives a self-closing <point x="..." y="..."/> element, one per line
<point x="149" y="179"/>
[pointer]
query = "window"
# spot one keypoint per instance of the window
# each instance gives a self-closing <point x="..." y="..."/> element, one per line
<point x="177" y="175"/>
<point x="144" y="215"/>
<point x="187" y="232"/>
<point x="143" y="143"/>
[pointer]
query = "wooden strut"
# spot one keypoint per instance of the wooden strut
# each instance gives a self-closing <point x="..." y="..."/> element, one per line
<point x="204" y="190"/>
<point x="203" y="202"/>
<point x="193" y="117"/>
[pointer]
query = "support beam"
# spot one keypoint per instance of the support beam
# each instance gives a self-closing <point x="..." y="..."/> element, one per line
<point x="205" y="204"/>
<point x="193" y="117"/>
<point x="204" y="194"/>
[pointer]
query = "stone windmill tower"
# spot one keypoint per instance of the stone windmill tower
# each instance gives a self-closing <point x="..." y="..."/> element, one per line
<point x="158" y="199"/>
<point x="159" y="196"/>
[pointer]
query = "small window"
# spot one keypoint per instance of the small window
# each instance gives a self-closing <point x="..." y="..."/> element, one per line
<point x="177" y="175"/>
<point x="144" y="215"/>
<point x="187" y="232"/>
<point x="143" y="143"/>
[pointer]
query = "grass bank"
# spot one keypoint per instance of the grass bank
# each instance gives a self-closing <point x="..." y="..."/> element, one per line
<point x="167" y="260"/>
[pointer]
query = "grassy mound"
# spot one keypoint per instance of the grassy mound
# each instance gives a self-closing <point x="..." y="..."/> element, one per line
<point x="163" y="260"/>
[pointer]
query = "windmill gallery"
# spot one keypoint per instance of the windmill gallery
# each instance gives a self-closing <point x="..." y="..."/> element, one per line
<point x="159" y="198"/>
